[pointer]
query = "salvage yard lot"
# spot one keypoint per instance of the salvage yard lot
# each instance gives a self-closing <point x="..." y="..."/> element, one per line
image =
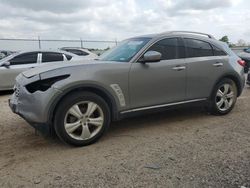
<point x="178" y="148"/>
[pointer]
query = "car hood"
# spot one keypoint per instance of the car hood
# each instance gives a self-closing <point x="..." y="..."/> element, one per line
<point x="45" y="68"/>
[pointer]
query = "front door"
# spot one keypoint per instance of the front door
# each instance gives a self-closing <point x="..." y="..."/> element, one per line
<point x="160" y="82"/>
<point x="18" y="64"/>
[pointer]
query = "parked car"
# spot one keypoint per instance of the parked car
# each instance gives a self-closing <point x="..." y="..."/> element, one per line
<point x="2" y="55"/>
<point x="245" y="55"/>
<point x="141" y="74"/>
<point x="248" y="79"/>
<point x="18" y="62"/>
<point x="81" y="52"/>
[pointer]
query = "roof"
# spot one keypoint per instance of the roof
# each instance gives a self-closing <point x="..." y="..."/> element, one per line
<point x="48" y="50"/>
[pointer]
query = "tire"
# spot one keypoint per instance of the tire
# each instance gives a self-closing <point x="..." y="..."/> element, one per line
<point x="222" y="99"/>
<point x="248" y="79"/>
<point x="81" y="118"/>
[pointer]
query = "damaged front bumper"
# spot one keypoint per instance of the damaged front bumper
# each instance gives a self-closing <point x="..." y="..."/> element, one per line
<point x="33" y="107"/>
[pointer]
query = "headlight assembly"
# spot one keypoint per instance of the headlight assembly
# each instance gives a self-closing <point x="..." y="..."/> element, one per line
<point x="43" y="85"/>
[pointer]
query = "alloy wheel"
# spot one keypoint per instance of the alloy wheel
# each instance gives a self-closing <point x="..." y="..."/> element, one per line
<point x="84" y="120"/>
<point x="225" y="97"/>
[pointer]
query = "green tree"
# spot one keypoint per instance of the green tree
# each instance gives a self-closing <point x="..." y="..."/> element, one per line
<point x="225" y="39"/>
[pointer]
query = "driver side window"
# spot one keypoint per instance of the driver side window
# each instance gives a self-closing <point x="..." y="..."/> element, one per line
<point x="168" y="48"/>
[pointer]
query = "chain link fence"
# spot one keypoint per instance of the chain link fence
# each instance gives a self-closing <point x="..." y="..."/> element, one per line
<point x="31" y="44"/>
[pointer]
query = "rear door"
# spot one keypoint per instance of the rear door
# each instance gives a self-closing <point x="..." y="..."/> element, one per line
<point x="204" y="66"/>
<point x="18" y="64"/>
<point x="161" y="82"/>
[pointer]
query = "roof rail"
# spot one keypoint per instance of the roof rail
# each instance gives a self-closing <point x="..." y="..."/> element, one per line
<point x="192" y="32"/>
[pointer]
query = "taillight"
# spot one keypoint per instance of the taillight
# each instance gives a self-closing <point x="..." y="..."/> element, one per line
<point x="242" y="62"/>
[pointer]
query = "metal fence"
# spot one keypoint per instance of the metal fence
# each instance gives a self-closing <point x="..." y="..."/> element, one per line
<point x="27" y="44"/>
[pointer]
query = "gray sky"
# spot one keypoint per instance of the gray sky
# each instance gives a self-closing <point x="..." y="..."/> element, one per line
<point x="119" y="19"/>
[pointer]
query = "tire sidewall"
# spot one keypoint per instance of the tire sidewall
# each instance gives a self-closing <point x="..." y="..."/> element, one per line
<point x="214" y="109"/>
<point x="63" y="107"/>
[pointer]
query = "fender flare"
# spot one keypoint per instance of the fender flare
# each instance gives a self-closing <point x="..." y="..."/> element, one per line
<point x="87" y="87"/>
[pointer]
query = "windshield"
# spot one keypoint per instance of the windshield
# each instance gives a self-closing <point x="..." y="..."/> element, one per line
<point x="125" y="51"/>
<point x="7" y="58"/>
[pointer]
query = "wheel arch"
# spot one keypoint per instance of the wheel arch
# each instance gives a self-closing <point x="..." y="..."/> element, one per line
<point x="233" y="77"/>
<point x="100" y="91"/>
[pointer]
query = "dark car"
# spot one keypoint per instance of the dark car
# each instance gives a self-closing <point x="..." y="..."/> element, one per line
<point x="248" y="79"/>
<point x="245" y="55"/>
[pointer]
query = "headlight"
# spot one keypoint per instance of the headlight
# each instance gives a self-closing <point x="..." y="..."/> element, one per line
<point x="43" y="85"/>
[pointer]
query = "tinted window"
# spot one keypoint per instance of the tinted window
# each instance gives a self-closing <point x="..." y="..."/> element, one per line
<point x="26" y="58"/>
<point x="197" y="48"/>
<point x="218" y="52"/>
<point x="77" y="52"/>
<point x="169" y="48"/>
<point x="51" y="56"/>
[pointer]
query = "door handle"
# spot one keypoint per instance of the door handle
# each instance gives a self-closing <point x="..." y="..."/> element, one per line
<point x="218" y="64"/>
<point x="179" y="68"/>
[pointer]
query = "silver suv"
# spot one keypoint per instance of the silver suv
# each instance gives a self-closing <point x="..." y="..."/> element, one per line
<point x="141" y="74"/>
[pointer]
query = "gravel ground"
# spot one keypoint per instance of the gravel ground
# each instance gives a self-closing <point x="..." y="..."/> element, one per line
<point x="178" y="148"/>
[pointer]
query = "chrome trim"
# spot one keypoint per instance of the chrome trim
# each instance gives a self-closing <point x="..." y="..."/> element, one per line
<point x="191" y="32"/>
<point x="162" y="105"/>
<point x="118" y="91"/>
<point x="218" y="64"/>
<point x="179" y="68"/>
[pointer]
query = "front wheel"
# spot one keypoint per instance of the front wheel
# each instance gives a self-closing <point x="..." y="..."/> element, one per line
<point x="223" y="97"/>
<point x="81" y="118"/>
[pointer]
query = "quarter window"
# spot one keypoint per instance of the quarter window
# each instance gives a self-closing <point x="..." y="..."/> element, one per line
<point x="218" y="52"/>
<point x="27" y="58"/>
<point x="169" y="49"/>
<point x="51" y="57"/>
<point x="198" y="48"/>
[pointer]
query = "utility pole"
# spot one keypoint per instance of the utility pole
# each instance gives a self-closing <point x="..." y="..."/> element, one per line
<point x="81" y="42"/>
<point x="39" y="42"/>
<point x="116" y="41"/>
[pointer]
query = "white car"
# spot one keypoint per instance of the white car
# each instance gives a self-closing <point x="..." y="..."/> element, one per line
<point x="80" y="52"/>
<point x="18" y="62"/>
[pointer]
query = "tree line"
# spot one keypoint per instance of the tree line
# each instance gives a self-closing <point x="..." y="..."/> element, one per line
<point x="240" y="42"/>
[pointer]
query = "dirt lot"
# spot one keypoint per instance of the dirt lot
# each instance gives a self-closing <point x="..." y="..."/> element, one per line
<point x="181" y="148"/>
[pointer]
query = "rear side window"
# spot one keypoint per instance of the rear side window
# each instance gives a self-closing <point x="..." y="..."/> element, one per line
<point x="218" y="51"/>
<point x="77" y="52"/>
<point x="51" y="57"/>
<point x="198" y="48"/>
<point x="169" y="48"/>
<point x="26" y="58"/>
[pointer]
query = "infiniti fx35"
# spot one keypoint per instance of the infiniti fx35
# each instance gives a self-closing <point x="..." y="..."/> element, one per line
<point x="146" y="73"/>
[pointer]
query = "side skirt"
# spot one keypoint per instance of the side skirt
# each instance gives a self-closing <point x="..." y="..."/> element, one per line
<point x="162" y="107"/>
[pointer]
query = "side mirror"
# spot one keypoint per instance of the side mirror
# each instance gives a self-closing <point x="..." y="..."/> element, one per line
<point x="6" y="64"/>
<point x="151" y="57"/>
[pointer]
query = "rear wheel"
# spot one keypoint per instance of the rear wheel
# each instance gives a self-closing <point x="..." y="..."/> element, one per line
<point x="81" y="118"/>
<point x="223" y="97"/>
